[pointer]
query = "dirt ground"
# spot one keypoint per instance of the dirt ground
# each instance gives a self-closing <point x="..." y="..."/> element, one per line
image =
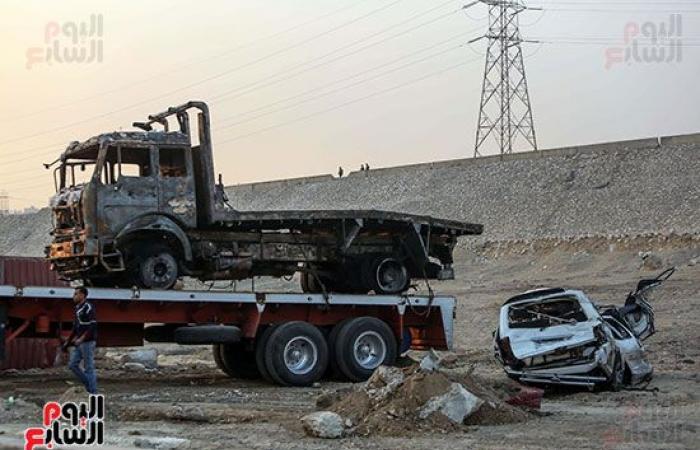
<point x="221" y="413"/>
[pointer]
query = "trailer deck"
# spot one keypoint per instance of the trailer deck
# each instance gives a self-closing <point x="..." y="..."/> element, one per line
<point x="240" y="324"/>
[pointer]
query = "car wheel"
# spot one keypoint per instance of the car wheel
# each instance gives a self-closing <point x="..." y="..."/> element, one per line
<point x="296" y="354"/>
<point x="362" y="345"/>
<point x="616" y="380"/>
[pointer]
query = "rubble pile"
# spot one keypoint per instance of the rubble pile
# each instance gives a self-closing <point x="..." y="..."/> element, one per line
<point x="395" y="401"/>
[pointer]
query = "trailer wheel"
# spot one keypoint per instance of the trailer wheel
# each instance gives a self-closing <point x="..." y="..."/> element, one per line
<point x="296" y="354"/>
<point x="216" y="352"/>
<point x="260" y="350"/>
<point x="333" y="369"/>
<point x="362" y="345"/>
<point x="154" y="267"/>
<point x="239" y="362"/>
<point x="388" y="275"/>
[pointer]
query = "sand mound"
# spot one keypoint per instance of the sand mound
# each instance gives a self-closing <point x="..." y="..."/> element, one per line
<point x="391" y="402"/>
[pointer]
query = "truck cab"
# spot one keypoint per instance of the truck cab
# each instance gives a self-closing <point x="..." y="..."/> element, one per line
<point x="116" y="185"/>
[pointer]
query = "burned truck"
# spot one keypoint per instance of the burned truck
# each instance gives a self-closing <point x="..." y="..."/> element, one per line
<point x="143" y="208"/>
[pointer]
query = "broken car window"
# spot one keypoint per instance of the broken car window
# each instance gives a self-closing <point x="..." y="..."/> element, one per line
<point x="617" y="329"/>
<point x="542" y="314"/>
<point x="172" y="162"/>
<point x="126" y="162"/>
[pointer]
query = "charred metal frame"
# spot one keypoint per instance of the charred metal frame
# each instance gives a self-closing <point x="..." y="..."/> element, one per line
<point x="213" y="240"/>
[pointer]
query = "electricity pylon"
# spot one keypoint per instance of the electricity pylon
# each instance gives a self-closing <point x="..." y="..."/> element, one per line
<point x="505" y="111"/>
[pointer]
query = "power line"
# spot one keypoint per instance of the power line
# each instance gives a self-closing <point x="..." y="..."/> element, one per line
<point x="276" y="79"/>
<point x="355" y="75"/>
<point x="505" y="111"/>
<point x="188" y="64"/>
<point x="285" y="75"/>
<point x="618" y="10"/>
<point x="210" y="78"/>
<point x="340" y="89"/>
<point x="348" y="103"/>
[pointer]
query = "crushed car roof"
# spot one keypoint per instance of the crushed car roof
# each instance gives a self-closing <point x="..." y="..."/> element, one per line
<point x="536" y="293"/>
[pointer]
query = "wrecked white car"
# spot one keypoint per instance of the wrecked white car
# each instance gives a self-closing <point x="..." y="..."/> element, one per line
<point x="559" y="336"/>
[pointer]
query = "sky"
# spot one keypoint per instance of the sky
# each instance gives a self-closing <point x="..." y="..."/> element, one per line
<point x="300" y="87"/>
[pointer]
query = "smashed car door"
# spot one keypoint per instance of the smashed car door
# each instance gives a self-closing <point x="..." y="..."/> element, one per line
<point x="637" y="311"/>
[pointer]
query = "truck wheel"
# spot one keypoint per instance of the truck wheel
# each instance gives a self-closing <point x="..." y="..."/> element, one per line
<point x="296" y="354"/>
<point x="362" y="345"/>
<point x="216" y="353"/>
<point x="260" y="349"/>
<point x="156" y="267"/>
<point x="333" y="369"/>
<point x="239" y="362"/>
<point x="388" y="276"/>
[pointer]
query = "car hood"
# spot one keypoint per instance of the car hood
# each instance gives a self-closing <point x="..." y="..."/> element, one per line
<point x="529" y="342"/>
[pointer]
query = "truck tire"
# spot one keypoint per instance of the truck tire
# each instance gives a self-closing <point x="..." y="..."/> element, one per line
<point x="216" y="353"/>
<point x="388" y="275"/>
<point x="154" y="266"/>
<point x="363" y="344"/>
<point x="207" y="334"/>
<point x="159" y="333"/>
<point x="238" y="361"/>
<point x="333" y="369"/>
<point x="296" y="354"/>
<point x="260" y="350"/>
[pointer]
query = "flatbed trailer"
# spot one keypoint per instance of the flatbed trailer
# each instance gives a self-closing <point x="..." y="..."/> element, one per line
<point x="285" y="338"/>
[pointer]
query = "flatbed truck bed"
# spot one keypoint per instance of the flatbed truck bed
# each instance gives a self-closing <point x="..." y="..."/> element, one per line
<point x="285" y="338"/>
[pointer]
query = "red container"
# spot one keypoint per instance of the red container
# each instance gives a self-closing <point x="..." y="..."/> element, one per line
<point x="24" y="271"/>
<point x="29" y="353"/>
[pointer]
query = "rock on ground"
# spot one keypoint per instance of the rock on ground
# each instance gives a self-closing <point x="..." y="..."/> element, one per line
<point x="161" y="443"/>
<point x="323" y="424"/>
<point x="134" y="367"/>
<point x="147" y="356"/>
<point x="456" y="404"/>
<point x="383" y="382"/>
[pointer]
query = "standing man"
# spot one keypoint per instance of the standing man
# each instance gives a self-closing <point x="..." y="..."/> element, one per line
<point x="83" y="338"/>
